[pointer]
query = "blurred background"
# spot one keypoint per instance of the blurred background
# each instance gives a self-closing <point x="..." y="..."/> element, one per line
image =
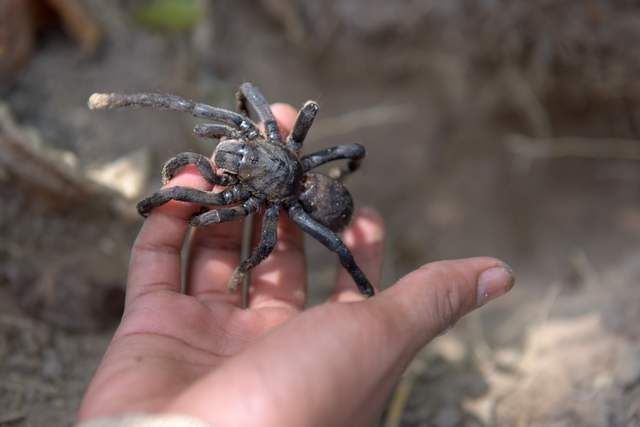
<point x="492" y="127"/>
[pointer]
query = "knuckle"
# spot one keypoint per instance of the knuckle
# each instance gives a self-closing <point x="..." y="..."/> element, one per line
<point x="142" y="247"/>
<point x="216" y="241"/>
<point x="447" y="305"/>
<point x="446" y="292"/>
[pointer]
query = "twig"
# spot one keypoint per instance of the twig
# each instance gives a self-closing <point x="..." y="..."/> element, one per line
<point x="245" y="250"/>
<point x="399" y="400"/>
<point x="17" y="37"/>
<point x="185" y="261"/>
<point x="79" y="23"/>
<point x="523" y="96"/>
<point x="367" y="117"/>
<point x="24" y="154"/>
<point x="12" y="416"/>
<point x="568" y="147"/>
<point x="54" y="173"/>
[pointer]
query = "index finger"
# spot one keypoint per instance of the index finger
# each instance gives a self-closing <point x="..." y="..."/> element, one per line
<point x="155" y="256"/>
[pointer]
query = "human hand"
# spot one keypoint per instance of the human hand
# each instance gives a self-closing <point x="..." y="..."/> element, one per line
<point x="274" y="363"/>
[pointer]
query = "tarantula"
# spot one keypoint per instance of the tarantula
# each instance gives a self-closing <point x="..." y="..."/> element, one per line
<point x="258" y="169"/>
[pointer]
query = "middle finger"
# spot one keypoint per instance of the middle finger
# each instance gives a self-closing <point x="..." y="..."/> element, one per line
<point x="215" y="253"/>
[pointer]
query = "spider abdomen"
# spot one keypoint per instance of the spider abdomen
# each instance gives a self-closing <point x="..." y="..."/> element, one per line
<point x="327" y="201"/>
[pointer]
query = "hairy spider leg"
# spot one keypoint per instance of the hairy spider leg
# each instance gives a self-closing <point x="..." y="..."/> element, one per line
<point x="217" y="216"/>
<point x="187" y="194"/>
<point x="353" y="152"/>
<point x="331" y="240"/>
<point x="250" y="95"/>
<point x="174" y="164"/>
<point x="268" y="240"/>
<point x="175" y="103"/>
<point x="215" y="131"/>
<point x="306" y="116"/>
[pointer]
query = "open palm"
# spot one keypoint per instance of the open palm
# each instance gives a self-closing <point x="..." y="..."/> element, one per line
<point x="200" y="353"/>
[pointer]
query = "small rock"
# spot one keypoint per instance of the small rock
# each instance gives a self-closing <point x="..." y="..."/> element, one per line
<point x="602" y="382"/>
<point x="451" y="348"/>
<point x="127" y="175"/>
<point x="507" y="359"/>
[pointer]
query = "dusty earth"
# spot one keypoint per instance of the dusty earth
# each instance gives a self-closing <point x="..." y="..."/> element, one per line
<point x="460" y="163"/>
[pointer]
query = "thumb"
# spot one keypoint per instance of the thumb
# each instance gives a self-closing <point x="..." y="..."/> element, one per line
<point x="431" y="299"/>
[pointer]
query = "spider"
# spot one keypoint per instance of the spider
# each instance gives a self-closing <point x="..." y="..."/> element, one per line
<point x="259" y="170"/>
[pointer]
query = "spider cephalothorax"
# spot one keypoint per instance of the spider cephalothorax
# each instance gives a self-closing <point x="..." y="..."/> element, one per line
<point x="258" y="170"/>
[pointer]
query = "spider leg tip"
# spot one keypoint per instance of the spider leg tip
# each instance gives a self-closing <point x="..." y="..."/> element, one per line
<point x="311" y="104"/>
<point x="143" y="210"/>
<point x="99" y="101"/>
<point x="236" y="279"/>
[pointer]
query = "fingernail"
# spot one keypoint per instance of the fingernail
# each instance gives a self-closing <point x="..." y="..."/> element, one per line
<point x="494" y="282"/>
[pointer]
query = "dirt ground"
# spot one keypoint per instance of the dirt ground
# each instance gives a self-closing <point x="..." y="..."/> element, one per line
<point x="468" y="153"/>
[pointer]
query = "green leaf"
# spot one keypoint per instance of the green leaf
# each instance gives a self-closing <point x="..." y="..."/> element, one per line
<point x="169" y="15"/>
